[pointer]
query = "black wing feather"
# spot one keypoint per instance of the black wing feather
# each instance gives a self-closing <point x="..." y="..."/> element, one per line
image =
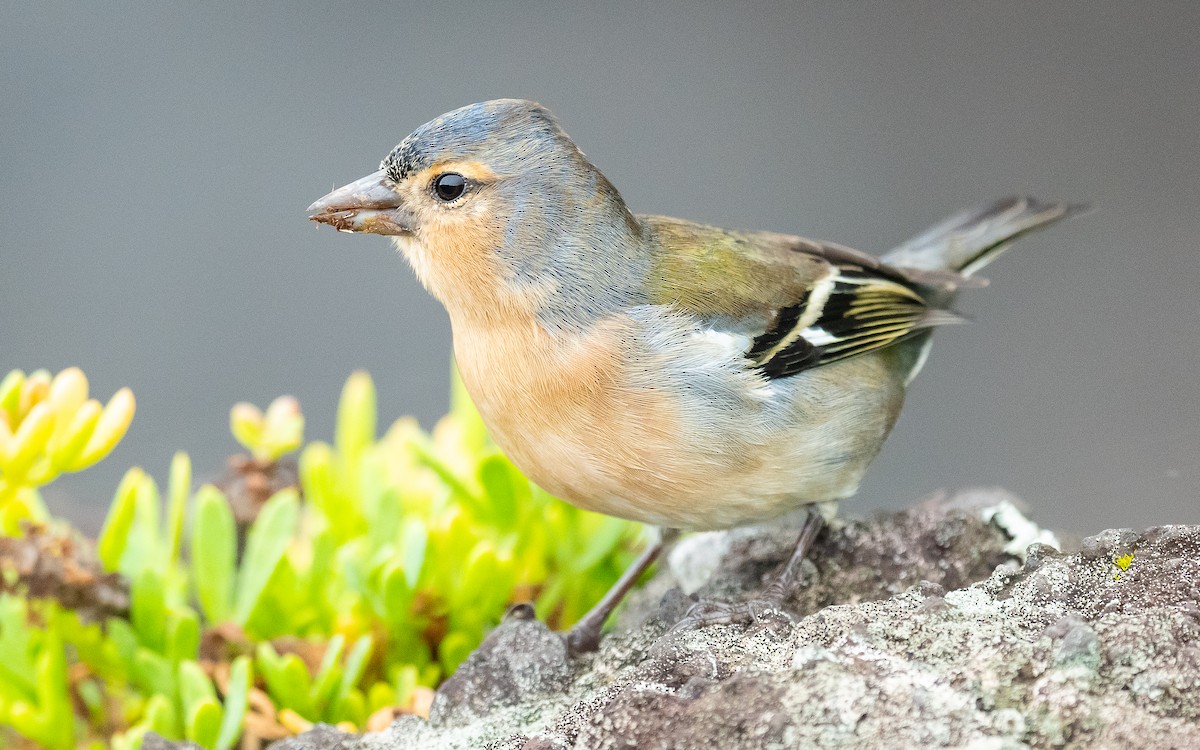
<point x="859" y="310"/>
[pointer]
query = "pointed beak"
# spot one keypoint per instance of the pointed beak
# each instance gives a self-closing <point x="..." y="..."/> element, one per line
<point x="366" y="205"/>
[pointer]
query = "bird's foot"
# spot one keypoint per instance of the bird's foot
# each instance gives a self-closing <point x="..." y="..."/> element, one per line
<point x="583" y="638"/>
<point x="766" y="608"/>
<point x="761" y="611"/>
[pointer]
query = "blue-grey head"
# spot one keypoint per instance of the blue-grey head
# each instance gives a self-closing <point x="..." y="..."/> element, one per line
<point x="493" y="204"/>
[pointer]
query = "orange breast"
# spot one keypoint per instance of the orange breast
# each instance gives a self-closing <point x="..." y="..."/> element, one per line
<point x="561" y="410"/>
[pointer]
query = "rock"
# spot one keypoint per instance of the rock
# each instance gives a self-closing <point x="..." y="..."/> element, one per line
<point x="320" y="737"/>
<point x="519" y="661"/>
<point x="914" y="629"/>
<point x="155" y="741"/>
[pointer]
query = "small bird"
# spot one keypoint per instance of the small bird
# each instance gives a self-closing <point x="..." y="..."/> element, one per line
<point x="653" y="368"/>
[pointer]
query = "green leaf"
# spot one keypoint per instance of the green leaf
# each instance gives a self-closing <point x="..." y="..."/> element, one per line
<point x="356" y="416"/>
<point x="204" y="723"/>
<point x="286" y="606"/>
<point x="145" y="546"/>
<point x="550" y="597"/>
<point x="406" y="680"/>
<point x="413" y="541"/>
<point x="431" y="674"/>
<point x="195" y="687"/>
<point x="94" y="699"/>
<point x="380" y="504"/>
<point x="183" y="635"/>
<point x="115" y="533"/>
<point x="352" y="671"/>
<point x="317" y="479"/>
<point x="507" y="490"/>
<point x="352" y="708"/>
<point x="288" y="681"/>
<point x="124" y="641"/>
<point x="462" y="408"/>
<point x="475" y="578"/>
<point x="397" y="594"/>
<point x="473" y="503"/>
<point x="153" y="673"/>
<point x="283" y="429"/>
<point x="454" y="650"/>
<point x="265" y="546"/>
<point x="54" y="694"/>
<point x="600" y="544"/>
<point x="148" y="608"/>
<point x="236" y="700"/>
<point x="381" y="695"/>
<point x="320" y="572"/>
<point x="179" y="486"/>
<point x="160" y="717"/>
<point x="214" y="551"/>
<point x="246" y="423"/>
<point x="16" y="648"/>
<point x="328" y="675"/>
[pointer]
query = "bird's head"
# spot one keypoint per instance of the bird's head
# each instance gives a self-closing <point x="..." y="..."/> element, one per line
<point x="493" y="205"/>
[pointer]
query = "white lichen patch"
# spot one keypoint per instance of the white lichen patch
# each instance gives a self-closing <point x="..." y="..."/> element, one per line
<point x="1022" y="531"/>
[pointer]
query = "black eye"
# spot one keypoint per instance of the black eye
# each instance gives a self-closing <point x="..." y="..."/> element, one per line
<point x="449" y="186"/>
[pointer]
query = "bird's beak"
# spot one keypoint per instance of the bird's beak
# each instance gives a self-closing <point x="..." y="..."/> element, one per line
<point x="366" y="205"/>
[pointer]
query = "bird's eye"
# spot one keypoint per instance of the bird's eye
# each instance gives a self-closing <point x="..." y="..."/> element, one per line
<point x="449" y="186"/>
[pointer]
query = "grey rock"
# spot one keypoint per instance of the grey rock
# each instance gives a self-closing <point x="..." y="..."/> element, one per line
<point x="913" y="629"/>
<point x="520" y="661"/>
<point x="320" y="737"/>
<point x="155" y="741"/>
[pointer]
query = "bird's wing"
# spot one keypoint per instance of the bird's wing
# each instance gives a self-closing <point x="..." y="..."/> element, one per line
<point x="804" y="303"/>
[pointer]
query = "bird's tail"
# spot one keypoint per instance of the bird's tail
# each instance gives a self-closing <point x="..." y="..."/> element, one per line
<point x="968" y="241"/>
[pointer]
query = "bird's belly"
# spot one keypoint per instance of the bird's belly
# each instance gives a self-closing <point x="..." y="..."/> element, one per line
<point x="637" y="477"/>
<point x="586" y="432"/>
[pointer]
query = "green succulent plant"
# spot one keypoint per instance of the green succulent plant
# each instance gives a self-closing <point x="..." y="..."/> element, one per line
<point x="354" y="594"/>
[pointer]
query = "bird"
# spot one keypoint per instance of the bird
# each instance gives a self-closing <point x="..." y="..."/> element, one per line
<point x="656" y="369"/>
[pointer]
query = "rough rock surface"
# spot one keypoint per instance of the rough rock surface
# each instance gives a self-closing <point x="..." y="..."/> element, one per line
<point x="914" y="629"/>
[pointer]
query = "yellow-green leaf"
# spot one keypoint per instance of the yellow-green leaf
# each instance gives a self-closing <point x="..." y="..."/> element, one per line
<point x="265" y="546"/>
<point x="356" y="416"/>
<point x="111" y="427"/>
<point x="28" y="441"/>
<point x="70" y="440"/>
<point x="246" y="424"/>
<point x="236" y="700"/>
<point x="115" y="534"/>
<point x="214" y="551"/>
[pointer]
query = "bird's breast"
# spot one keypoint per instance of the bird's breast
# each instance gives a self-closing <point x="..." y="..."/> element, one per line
<point x="559" y="407"/>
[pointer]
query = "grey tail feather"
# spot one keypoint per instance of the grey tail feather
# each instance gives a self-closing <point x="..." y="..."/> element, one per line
<point x="968" y="241"/>
<point x="935" y="317"/>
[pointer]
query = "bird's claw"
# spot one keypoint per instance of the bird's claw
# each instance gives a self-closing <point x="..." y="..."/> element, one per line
<point x="758" y="612"/>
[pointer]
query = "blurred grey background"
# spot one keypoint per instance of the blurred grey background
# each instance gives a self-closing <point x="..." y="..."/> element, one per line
<point x="157" y="160"/>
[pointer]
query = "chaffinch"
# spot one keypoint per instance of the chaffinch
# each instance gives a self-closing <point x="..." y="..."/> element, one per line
<point x="654" y="368"/>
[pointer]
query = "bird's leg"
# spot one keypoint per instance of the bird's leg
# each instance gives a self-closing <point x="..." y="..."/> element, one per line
<point x="787" y="577"/>
<point x="771" y="599"/>
<point x="584" y="636"/>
